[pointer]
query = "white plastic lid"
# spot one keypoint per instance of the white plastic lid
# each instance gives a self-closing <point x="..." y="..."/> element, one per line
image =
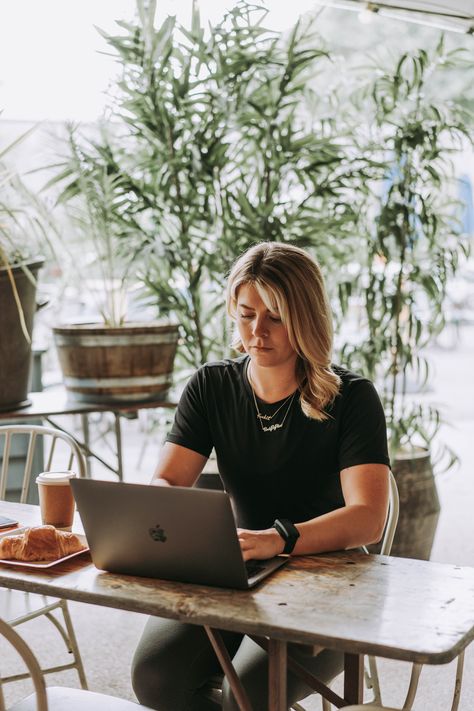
<point x="55" y="478"/>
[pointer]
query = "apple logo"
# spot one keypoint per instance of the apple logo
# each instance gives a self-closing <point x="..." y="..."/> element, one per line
<point x="157" y="533"/>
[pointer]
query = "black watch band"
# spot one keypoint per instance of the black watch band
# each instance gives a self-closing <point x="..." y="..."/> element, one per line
<point x="288" y="532"/>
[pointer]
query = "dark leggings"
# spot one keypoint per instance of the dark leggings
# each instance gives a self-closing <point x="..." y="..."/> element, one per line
<point x="174" y="660"/>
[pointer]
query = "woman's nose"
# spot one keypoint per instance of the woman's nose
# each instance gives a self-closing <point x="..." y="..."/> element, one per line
<point x="259" y="327"/>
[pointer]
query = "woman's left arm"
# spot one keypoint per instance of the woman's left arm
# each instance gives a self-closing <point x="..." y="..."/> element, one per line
<point x="359" y="522"/>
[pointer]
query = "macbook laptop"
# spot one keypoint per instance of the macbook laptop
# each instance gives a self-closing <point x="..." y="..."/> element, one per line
<point x="177" y="533"/>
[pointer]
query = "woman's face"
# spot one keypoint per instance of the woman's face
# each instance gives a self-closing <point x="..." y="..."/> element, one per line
<point x="262" y="332"/>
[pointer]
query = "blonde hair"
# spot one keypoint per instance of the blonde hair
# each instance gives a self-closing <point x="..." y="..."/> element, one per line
<point x="290" y="282"/>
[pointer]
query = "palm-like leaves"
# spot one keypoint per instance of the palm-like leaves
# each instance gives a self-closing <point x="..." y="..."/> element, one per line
<point x="213" y="152"/>
<point x="412" y="235"/>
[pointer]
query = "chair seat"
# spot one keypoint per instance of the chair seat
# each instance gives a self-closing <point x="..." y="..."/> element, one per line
<point x="14" y="604"/>
<point x="65" y="699"/>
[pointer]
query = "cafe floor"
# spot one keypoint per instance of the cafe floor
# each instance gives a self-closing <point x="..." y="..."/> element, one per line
<point x="107" y="638"/>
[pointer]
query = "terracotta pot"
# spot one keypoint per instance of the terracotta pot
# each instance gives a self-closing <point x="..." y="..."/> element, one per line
<point x="15" y="350"/>
<point x="130" y="363"/>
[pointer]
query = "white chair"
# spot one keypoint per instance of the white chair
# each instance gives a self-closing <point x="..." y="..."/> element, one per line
<point x="59" y="698"/>
<point x="371" y="674"/>
<point x="59" y="451"/>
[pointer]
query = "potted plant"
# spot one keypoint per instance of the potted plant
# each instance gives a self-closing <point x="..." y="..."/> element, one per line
<point x="21" y="234"/>
<point x="412" y="243"/>
<point x="113" y="360"/>
<point x="221" y="142"/>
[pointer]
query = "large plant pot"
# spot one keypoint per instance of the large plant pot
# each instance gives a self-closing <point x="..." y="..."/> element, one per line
<point x="131" y="363"/>
<point x="15" y="350"/>
<point x="419" y="505"/>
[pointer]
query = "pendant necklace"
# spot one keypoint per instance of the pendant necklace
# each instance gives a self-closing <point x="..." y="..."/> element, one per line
<point x="261" y="417"/>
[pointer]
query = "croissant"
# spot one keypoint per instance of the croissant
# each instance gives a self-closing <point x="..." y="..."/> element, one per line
<point x="39" y="543"/>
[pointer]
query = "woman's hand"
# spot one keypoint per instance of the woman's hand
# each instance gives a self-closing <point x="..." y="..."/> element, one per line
<point x="259" y="545"/>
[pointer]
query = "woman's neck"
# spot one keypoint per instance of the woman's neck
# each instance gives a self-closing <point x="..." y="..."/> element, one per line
<point x="274" y="383"/>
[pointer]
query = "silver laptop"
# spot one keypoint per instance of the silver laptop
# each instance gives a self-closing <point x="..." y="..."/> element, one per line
<point x="177" y="533"/>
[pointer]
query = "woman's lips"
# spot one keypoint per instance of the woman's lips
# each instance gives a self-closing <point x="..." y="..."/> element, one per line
<point x="261" y="348"/>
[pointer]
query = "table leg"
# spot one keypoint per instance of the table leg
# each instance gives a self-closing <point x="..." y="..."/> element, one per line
<point x="85" y="447"/>
<point x="354" y="678"/>
<point x="227" y="667"/>
<point x="118" y="440"/>
<point x="277" y="661"/>
<point x="298" y="670"/>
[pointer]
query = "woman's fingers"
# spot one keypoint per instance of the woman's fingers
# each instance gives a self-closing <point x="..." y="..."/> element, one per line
<point x="258" y="544"/>
<point x="248" y="544"/>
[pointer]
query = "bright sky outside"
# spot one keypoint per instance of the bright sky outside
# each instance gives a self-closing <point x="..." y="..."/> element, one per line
<point x="50" y="65"/>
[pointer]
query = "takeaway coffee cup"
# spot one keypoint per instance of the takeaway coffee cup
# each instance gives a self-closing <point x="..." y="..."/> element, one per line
<point x="56" y="499"/>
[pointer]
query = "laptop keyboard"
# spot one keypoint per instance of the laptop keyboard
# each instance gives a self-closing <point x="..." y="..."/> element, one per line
<point x="253" y="567"/>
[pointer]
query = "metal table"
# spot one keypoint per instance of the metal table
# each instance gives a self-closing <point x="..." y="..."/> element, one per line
<point x="55" y="402"/>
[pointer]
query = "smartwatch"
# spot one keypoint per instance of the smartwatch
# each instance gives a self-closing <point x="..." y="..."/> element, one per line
<point x="288" y="532"/>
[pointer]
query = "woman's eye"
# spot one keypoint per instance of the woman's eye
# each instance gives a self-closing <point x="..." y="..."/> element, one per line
<point x="246" y="316"/>
<point x="275" y="319"/>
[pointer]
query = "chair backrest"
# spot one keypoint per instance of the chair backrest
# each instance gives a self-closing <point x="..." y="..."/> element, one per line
<point x="60" y="452"/>
<point x="18" y="643"/>
<point x="392" y="517"/>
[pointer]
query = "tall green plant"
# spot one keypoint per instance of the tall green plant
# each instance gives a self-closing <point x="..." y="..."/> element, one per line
<point x="103" y="234"/>
<point x="221" y="142"/>
<point x="24" y="224"/>
<point x="411" y="237"/>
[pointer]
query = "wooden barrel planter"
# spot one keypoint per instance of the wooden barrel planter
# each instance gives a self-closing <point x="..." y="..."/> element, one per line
<point x="130" y="363"/>
<point x="15" y="350"/>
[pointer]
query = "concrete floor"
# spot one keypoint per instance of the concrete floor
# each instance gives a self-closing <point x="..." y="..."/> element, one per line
<point x="108" y="637"/>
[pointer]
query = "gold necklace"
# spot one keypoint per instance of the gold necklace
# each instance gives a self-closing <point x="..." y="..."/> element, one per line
<point x="261" y="417"/>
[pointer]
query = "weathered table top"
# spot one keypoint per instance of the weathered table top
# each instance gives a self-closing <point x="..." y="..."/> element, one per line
<point x="391" y="607"/>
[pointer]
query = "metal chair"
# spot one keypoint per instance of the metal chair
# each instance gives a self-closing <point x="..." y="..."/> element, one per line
<point x="371" y="674"/>
<point x="56" y="698"/>
<point x="18" y="607"/>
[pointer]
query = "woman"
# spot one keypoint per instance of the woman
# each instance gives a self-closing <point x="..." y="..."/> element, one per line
<point x="296" y="439"/>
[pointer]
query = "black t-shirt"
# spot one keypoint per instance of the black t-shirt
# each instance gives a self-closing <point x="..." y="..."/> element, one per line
<point x="292" y="472"/>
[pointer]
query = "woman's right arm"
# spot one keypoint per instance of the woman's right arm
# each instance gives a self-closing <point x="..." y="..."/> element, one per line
<point x="178" y="466"/>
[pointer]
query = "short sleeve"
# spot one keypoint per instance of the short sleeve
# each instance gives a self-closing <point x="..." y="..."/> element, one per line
<point x="190" y="426"/>
<point x="363" y="433"/>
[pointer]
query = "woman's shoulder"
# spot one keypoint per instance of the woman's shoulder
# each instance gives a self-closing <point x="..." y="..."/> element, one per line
<point x="222" y="370"/>
<point x="346" y="375"/>
<point x="351" y="381"/>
